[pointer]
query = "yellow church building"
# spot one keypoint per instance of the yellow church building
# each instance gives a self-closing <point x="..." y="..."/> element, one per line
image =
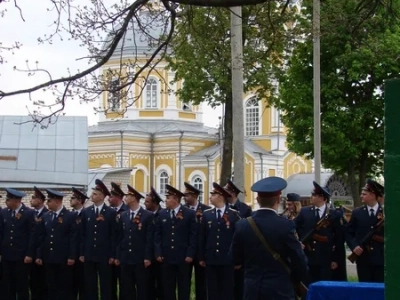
<point x="165" y="141"/>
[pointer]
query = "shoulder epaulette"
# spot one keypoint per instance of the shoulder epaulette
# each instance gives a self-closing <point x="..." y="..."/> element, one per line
<point x="235" y="212"/>
<point x="208" y="209"/>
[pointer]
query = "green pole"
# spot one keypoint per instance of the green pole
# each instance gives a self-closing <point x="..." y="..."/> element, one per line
<point x="392" y="189"/>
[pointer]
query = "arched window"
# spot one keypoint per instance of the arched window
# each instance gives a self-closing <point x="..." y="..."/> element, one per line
<point x="197" y="182"/>
<point x="114" y="101"/>
<point x="163" y="179"/>
<point x="151" y="93"/>
<point x="252" y="117"/>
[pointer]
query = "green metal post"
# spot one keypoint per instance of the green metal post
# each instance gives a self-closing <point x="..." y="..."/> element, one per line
<point x="392" y="189"/>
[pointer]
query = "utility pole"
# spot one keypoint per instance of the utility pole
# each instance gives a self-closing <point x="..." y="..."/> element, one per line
<point x="317" y="90"/>
<point x="237" y="95"/>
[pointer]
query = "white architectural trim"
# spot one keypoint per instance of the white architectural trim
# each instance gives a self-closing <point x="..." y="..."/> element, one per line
<point x="260" y="113"/>
<point x="105" y="166"/>
<point x="165" y="168"/>
<point x="140" y="167"/>
<point x="199" y="174"/>
<point x="144" y="93"/>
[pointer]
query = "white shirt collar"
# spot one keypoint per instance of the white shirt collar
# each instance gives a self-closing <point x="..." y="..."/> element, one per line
<point x="39" y="211"/>
<point x="18" y="209"/>
<point x="177" y="209"/>
<point x="268" y="208"/>
<point x="135" y="211"/>
<point x="375" y="208"/>
<point x="58" y="211"/>
<point x="321" y="209"/>
<point x="222" y="209"/>
<point x="194" y="207"/>
<point x="78" y="211"/>
<point x="100" y="207"/>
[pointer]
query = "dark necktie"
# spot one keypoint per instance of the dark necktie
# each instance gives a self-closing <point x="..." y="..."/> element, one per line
<point x="372" y="214"/>
<point x="219" y="215"/>
<point x="173" y="214"/>
<point x="13" y="214"/>
<point x="132" y="215"/>
<point x="317" y="214"/>
<point x="97" y="211"/>
<point x="36" y="212"/>
<point x="54" y="216"/>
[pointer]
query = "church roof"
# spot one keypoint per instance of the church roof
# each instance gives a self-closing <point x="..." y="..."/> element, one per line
<point x="143" y="36"/>
<point x="302" y="184"/>
<point x="249" y="146"/>
<point x="151" y="126"/>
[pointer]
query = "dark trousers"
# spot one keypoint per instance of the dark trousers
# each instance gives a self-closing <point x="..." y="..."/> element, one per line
<point x="238" y="283"/>
<point x="155" y="282"/>
<point x="200" y="281"/>
<point x="78" y="283"/>
<point x="59" y="281"/>
<point x="15" y="280"/>
<point x="115" y="282"/>
<point x="220" y="280"/>
<point x="370" y="273"/>
<point x="174" y="275"/>
<point x="319" y="273"/>
<point x="37" y="282"/>
<point x="93" y="271"/>
<point x="134" y="282"/>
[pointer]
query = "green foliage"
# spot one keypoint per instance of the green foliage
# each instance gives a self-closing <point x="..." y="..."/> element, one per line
<point x="357" y="55"/>
<point x="201" y="51"/>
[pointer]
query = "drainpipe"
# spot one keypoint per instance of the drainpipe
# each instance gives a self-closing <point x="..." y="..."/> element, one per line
<point x="122" y="149"/>
<point x="151" y="159"/>
<point x="208" y="176"/>
<point x="180" y="160"/>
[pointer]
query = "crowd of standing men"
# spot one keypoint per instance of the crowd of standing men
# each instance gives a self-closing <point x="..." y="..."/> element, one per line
<point x="124" y="251"/>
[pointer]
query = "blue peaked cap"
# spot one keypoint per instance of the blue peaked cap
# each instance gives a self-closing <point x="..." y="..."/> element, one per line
<point x="14" y="194"/>
<point x="270" y="185"/>
<point x="52" y="194"/>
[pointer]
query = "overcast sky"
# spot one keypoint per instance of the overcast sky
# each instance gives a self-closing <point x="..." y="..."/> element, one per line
<point x="55" y="58"/>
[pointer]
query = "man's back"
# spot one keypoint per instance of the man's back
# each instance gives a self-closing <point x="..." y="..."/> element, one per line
<point x="265" y="277"/>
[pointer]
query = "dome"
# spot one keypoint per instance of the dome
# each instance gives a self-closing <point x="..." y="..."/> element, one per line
<point x="145" y="33"/>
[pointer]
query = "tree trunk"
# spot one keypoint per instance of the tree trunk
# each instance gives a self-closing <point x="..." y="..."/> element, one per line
<point x="354" y="184"/>
<point x="362" y="172"/>
<point x="227" y="150"/>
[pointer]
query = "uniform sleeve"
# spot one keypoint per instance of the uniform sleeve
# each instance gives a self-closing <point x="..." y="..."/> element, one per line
<point x="202" y="239"/>
<point x="296" y="254"/>
<point x="191" y="251"/>
<point x="82" y="234"/>
<point x="39" y="234"/>
<point x="338" y="237"/>
<point x="148" y="255"/>
<point x="113" y="233"/>
<point x="1" y="232"/>
<point x="158" y="237"/>
<point x="73" y="236"/>
<point x="236" y="251"/>
<point x="31" y="234"/>
<point x="350" y="231"/>
<point x="120" y="236"/>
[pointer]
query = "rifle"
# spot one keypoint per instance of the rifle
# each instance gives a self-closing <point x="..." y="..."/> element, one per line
<point x="321" y="223"/>
<point x="353" y="257"/>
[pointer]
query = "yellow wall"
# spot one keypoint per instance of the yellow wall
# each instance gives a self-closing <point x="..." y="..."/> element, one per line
<point x="264" y="143"/>
<point x="139" y="181"/>
<point x="96" y="160"/>
<point x="151" y="114"/>
<point x="248" y="179"/>
<point x="294" y="164"/>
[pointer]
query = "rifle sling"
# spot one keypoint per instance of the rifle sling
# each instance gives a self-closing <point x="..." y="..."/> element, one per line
<point x="260" y="236"/>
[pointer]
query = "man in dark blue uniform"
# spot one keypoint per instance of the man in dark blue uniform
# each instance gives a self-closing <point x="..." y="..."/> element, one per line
<point x="18" y="246"/>
<point x="156" y="290"/>
<point x="98" y="243"/>
<point x="57" y="249"/>
<point x="215" y="238"/>
<point x="321" y="244"/>
<point x="340" y="273"/>
<point x="135" y="247"/>
<point x="244" y="211"/>
<point x="77" y="202"/>
<point x="370" y="257"/>
<point x="192" y="202"/>
<point x="116" y="203"/>
<point x="37" y="273"/>
<point x="175" y="244"/>
<point x="265" y="276"/>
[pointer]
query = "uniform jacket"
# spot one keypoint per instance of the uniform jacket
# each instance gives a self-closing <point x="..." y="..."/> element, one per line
<point x="266" y="278"/>
<point x="320" y="250"/>
<point x="215" y="238"/>
<point x="98" y="234"/>
<point x="58" y="238"/>
<point x="135" y="242"/>
<point x="176" y="239"/>
<point x="359" y="225"/>
<point x="243" y="209"/>
<point x="17" y="234"/>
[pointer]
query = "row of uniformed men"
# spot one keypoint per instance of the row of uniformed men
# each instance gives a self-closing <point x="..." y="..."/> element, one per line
<point x="61" y="254"/>
<point x="323" y="230"/>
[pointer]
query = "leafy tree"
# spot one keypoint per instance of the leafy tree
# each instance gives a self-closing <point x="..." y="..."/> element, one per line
<point x="100" y="27"/>
<point x="357" y="55"/>
<point x="201" y="56"/>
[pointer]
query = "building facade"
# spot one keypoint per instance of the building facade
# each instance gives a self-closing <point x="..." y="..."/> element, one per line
<point x="147" y="128"/>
